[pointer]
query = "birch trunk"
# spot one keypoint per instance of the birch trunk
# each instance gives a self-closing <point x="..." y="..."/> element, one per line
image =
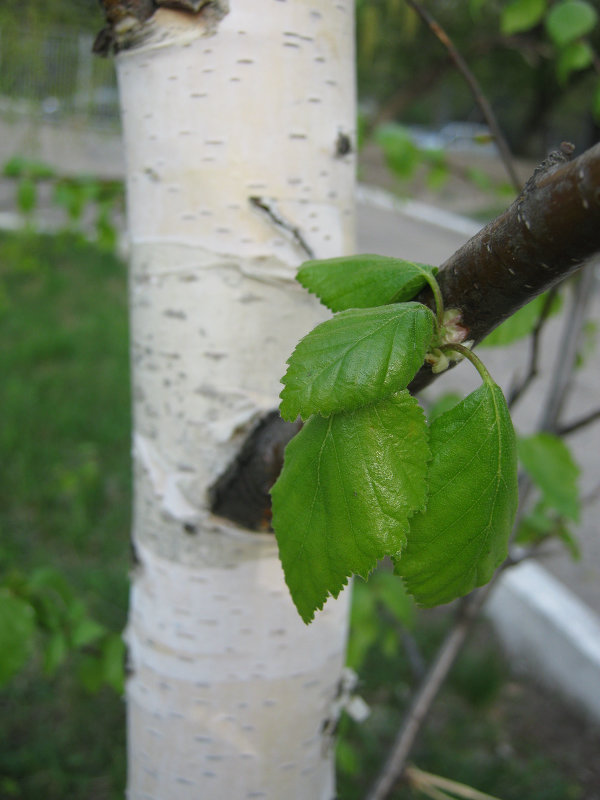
<point x="230" y="695"/>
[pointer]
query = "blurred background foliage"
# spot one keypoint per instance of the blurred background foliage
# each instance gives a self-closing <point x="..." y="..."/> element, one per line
<point x="515" y="49"/>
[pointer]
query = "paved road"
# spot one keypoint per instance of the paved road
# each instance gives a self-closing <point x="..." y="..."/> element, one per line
<point x="388" y="232"/>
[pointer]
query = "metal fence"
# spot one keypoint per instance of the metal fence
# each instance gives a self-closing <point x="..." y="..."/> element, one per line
<point x="55" y="74"/>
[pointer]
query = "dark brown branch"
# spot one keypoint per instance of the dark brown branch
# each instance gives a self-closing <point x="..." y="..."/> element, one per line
<point x="549" y="231"/>
<point x="475" y="88"/>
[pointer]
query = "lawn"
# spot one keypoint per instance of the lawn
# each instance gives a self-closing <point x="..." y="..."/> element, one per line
<point x="65" y="504"/>
<point x="64" y="497"/>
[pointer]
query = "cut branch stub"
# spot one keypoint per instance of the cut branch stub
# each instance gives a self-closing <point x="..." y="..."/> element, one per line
<point x="241" y="493"/>
<point x="550" y="230"/>
<point x="125" y="20"/>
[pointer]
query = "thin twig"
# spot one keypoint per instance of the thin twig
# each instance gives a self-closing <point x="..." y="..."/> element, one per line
<point x="591" y="497"/>
<point x="418" y="777"/>
<point x="516" y="392"/>
<point x="567" y="353"/>
<point x="569" y="427"/>
<point x="476" y="90"/>
<point x="427" y="692"/>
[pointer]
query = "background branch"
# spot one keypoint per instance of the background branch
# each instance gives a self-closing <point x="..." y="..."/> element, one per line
<point x="517" y="391"/>
<point x="475" y="88"/>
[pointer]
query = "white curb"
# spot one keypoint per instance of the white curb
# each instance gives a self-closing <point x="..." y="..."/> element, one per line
<point x="549" y="632"/>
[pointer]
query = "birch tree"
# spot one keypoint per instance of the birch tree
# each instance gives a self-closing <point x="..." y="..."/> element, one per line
<point x="238" y="126"/>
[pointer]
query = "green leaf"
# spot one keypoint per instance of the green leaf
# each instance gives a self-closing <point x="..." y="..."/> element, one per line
<point x="521" y="15"/>
<point x="363" y="281"/>
<point x="348" y="485"/>
<point x="19" y="167"/>
<point x="85" y="631"/>
<point x="574" y="57"/>
<point x="521" y="323"/>
<point x="358" y="357"/>
<point x="401" y="153"/>
<point x="549" y="463"/>
<point x="55" y="652"/>
<point x="113" y="662"/>
<point x="462" y="536"/>
<point x="17" y="629"/>
<point x="26" y="195"/>
<point x="544" y="522"/>
<point x="392" y="594"/>
<point x="364" y="627"/>
<point x="442" y="404"/>
<point x="569" y="20"/>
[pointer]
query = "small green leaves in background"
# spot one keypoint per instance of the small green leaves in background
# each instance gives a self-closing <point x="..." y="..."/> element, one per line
<point x="77" y="195"/>
<point x="522" y="323"/>
<point x="380" y="607"/>
<point x="570" y="20"/>
<point x="521" y="15"/>
<point x="21" y="167"/>
<point x="401" y="153"/>
<point x="549" y="463"/>
<point x="457" y="543"/>
<point x="567" y="23"/>
<point x="26" y="195"/>
<point x="573" y="58"/>
<point x="357" y="357"/>
<point x="543" y="523"/>
<point x="348" y="486"/>
<point x="17" y="631"/>
<point x="41" y="612"/>
<point x="363" y="281"/>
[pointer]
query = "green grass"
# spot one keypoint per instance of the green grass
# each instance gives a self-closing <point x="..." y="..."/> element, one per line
<point x="64" y="496"/>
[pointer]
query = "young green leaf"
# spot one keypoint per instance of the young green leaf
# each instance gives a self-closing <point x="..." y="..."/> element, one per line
<point x="462" y="536"/>
<point x="521" y="15"/>
<point x="573" y="58"/>
<point x="357" y="357"/>
<point x="550" y="465"/>
<point x="544" y="522"/>
<point x="17" y="629"/>
<point x="570" y="19"/>
<point x="342" y="501"/>
<point x="401" y="153"/>
<point x="363" y="281"/>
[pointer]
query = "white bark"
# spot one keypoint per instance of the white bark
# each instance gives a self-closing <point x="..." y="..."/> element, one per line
<point x="230" y="693"/>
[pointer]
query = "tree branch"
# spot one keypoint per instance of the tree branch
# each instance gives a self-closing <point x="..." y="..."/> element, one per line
<point x="545" y="235"/>
<point x="475" y="88"/>
<point x="430" y="686"/>
<point x="570" y="427"/>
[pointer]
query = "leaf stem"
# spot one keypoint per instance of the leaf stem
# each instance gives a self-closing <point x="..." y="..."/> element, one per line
<point x="470" y="356"/>
<point x="437" y="296"/>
